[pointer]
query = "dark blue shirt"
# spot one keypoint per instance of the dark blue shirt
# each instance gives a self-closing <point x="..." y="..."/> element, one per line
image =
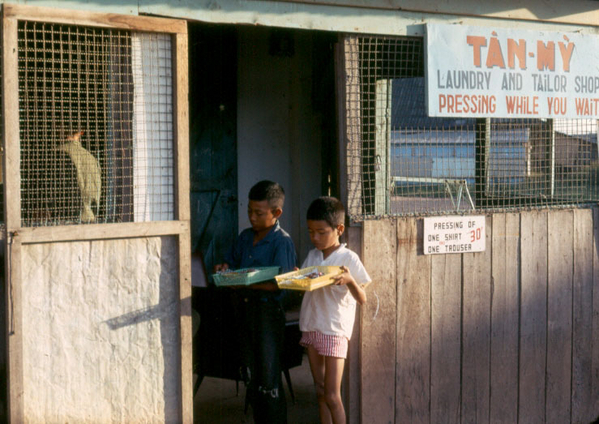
<point x="276" y="249"/>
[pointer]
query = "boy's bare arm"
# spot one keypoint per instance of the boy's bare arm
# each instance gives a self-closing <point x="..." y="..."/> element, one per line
<point x="355" y="289"/>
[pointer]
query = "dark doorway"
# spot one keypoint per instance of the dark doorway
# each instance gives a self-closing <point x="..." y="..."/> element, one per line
<point x="213" y="135"/>
<point x="262" y="106"/>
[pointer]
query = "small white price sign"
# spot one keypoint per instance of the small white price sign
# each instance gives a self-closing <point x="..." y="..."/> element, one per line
<point x="454" y="234"/>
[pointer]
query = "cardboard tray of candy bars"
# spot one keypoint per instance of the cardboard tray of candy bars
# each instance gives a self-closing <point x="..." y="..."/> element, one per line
<point x="308" y="279"/>
<point x="245" y="276"/>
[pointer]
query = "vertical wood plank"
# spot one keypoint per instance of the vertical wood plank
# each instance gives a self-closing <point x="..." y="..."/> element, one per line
<point x="353" y="124"/>
<point x="186" y="331"/>
<point x="181" y="117"/>
<point x="182" y="213"/>
<point x="413" y="325"/>
<point x="476" y="333"/>
<point x="595" y="319"/>
<point x="10" y="110"/>
<point x="378" y="342"/>
<point x="446" y="306"/>
<point x="559" y="315"/>
<point x="504" y="318"/>
<point x="582" y="335"/>
<point x="382" y="141"/>
<point x="12" y="203"/>
<point x="351" y="388"/>
<point x="340" y="95"/>
<point x="533" y="316"/>
<point x="15" y="332"/>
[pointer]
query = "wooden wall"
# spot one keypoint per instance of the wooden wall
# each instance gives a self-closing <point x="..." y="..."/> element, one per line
<point x="503" y="336"/>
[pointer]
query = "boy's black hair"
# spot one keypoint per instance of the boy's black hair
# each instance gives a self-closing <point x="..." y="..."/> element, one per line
<point x="269" y="191"/>
<point x="329" y="209"/>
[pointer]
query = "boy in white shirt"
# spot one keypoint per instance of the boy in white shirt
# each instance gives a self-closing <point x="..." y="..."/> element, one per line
<point x="327" y="314"/>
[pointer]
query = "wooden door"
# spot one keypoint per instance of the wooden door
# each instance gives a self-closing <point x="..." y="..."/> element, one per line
<point x="98" y="309"/>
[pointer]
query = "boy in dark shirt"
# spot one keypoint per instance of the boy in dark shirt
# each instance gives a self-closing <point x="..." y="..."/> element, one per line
<point x="261" y="311"/>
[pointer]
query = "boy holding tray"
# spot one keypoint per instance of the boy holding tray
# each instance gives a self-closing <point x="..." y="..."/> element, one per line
<point x="327" y="314"/>
<point x="261" y="310"/>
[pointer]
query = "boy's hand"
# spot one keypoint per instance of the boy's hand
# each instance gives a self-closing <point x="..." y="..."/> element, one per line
<point x="221" y="267"/>
<point x="344" y="278"/>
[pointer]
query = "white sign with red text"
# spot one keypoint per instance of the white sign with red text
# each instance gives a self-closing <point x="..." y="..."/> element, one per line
<point x="509" y="73"/>
<point x="454" y="234"/>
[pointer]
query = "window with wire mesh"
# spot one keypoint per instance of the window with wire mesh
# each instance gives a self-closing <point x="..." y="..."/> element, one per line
<point x="96" y="125"/>
<point x="402" y="162"/>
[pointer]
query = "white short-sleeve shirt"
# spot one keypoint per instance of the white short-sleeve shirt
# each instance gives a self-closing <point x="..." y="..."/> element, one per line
<point x="331" y="310"/>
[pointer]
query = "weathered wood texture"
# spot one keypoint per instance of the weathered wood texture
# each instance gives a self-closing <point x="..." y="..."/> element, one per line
<point x="476" y="333"/>
<point x="351" y="389"/>
<point x="109" y="20"/>
<point x="12" y="186"/>
<point x="504" y="318"/>
<point x="502" y="336"/>
<point x="582" y="315"/>
<point x="446" y="308"/>
<point x="559" y="316"/>
<point x="412" y="394"/>
<point x="185" y="340"/>
<point x="533" y="309"/>
<point x="595" y="317"/>
<point x="378" y="324"/>
<point x="353" y="119"/>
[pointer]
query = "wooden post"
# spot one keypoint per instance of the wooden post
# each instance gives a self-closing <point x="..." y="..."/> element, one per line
<point x="482" y="149"/>
<point x="182" y="213"/>
<point x="382" y="168"/>
<point x="352" y="140"/>
<point x="551" y="159"/>
<point x="12" y="204"/>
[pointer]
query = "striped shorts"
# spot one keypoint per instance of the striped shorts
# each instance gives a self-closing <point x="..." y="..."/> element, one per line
<point x="325" y="345"/>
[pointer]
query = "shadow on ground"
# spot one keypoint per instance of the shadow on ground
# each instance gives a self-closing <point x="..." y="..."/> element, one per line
<point x="217" y="402"/>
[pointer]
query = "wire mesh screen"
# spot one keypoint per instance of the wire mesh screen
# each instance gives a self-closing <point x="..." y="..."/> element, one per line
<point x="402" y="162"/>
<point x="96" y="125"/>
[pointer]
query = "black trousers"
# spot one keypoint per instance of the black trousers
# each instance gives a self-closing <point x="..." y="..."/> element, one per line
<point x="262" y="331"/>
